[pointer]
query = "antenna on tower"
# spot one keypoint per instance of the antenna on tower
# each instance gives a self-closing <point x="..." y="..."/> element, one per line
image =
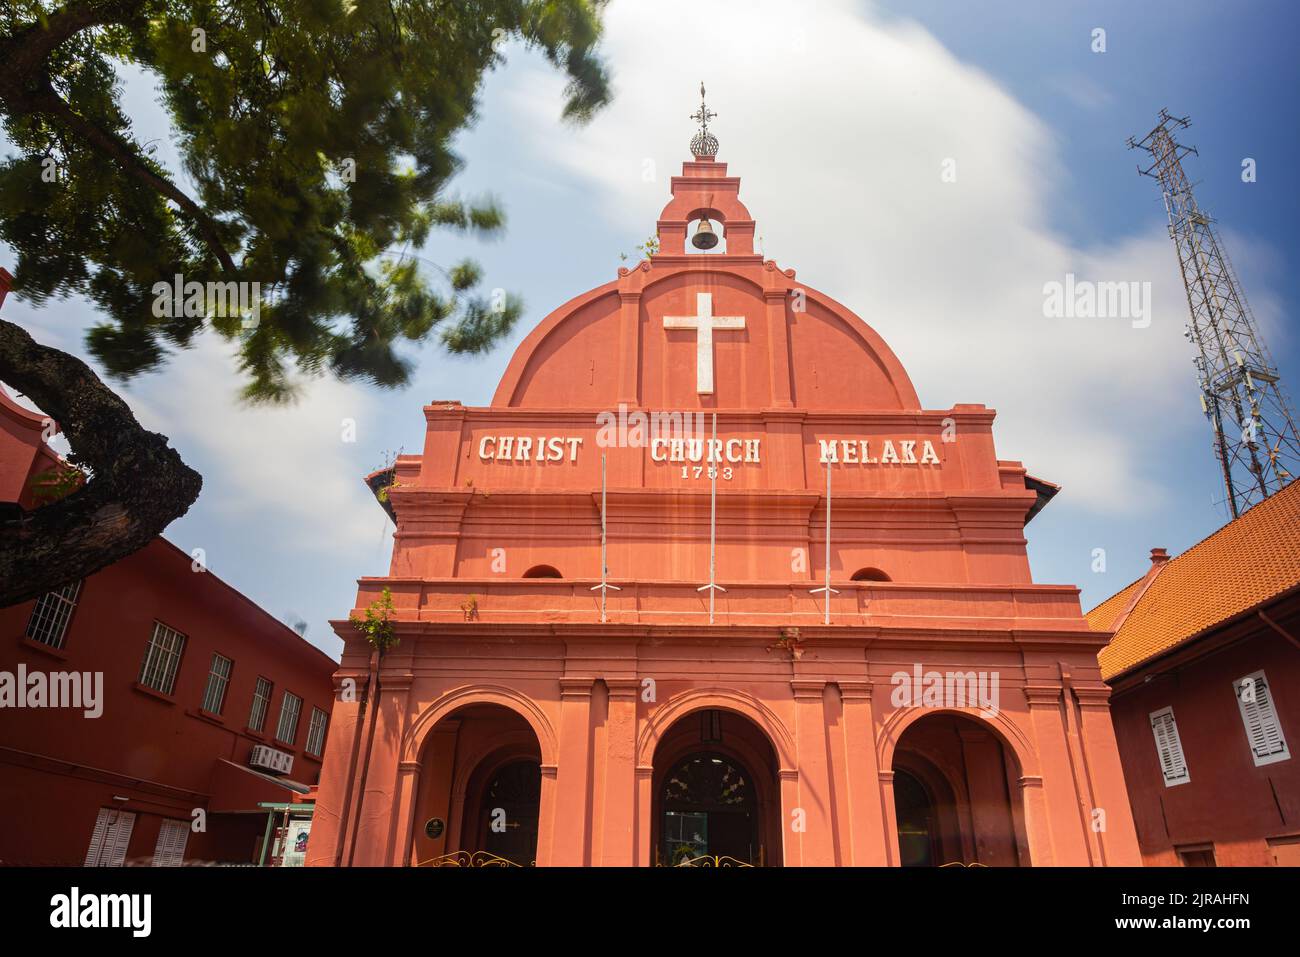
<point x="1255" y="437"/>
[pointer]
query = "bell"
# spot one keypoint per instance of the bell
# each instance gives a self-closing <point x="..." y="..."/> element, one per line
<point x="705" y="237"/>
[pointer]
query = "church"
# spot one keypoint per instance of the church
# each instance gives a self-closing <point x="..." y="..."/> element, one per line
<point x="706" y="585"/>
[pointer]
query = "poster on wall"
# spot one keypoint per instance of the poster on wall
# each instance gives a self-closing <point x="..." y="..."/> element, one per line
<point x="290" y="847"/>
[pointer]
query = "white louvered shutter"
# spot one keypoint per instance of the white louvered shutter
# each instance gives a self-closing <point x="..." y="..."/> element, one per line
<point x="1259" y="716"/>
<point x="170" y="850"/>
<point x="109" y="840"/>
<point x="1173" y="764"/>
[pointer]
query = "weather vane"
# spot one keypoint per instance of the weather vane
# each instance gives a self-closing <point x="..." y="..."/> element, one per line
<point x="703" y="143"/>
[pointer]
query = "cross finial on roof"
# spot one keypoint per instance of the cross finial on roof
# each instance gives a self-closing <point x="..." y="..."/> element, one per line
<point x="703" y="143"/>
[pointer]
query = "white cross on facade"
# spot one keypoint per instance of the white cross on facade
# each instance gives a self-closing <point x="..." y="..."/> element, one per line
<point x="704" y="322"/>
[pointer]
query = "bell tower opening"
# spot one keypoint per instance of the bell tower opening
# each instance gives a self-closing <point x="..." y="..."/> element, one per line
<point x="707" y="235"/>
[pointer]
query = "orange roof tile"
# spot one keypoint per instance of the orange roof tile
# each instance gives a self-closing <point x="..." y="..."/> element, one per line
<point x="1246" y="562"/>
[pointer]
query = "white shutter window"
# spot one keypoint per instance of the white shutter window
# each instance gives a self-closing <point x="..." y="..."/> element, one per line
<point x="170" y="849"/>
<point x="110" y="838"/>
<point x="1169" y="748"/>
<point x="316" y="732"/>
<point x="290" y="706"/>
<point x="162" y="658"/>
<point x="261" y="701"/>
<point x="1259" y="715"/>
<point x="51" y="614"/>
<point x="214" y="695"/>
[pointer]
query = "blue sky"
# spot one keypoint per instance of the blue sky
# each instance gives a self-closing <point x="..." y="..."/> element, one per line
<point x="837" y="116"/>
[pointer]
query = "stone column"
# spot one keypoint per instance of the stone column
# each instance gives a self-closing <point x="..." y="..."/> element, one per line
<point x="570" y="821"/>
<point x="783" y="451"/>
<point x="380" y="806"/>
<point x="629" y="345"/>
<point x="1037" y="828"/>
<point x="329" y="821"/>
<point x="645" y="854"/>
<point x="1118" y="839"/>
<point x="408" y="788"/>
<point x="865" y="828"/>
<point x="546" y="816"/>
<point x="619" y="846"/>
<point x="791" y="845"/>
<point x="817" y="842"/>
<point x="892" y="857"/>
<point x="1061" y="798"/>
<point x="774" y="302"/>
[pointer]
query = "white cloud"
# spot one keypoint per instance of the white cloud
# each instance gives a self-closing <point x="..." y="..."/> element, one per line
<point x="839" y="123"/>
<point x="284" y="471"/>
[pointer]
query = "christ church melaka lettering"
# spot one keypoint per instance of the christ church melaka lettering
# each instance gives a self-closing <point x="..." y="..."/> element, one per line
<point x="858" y="452"/>
<point x="529" y="448"/>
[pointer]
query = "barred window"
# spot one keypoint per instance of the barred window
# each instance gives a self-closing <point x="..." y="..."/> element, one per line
<point x="162" y="658"/>
<point x="261" y="704"/>
<point x="289" y="708"/>
<point x="214" y="695"/>
<point x="316" y="732"/>
<point x="50" y="617"/>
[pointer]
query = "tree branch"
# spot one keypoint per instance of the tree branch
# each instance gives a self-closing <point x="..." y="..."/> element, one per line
<point x="25" y="88"/>
<point x="138" y="488"/>
<point x="23" y="55"/>
<point x="48" y="102"/>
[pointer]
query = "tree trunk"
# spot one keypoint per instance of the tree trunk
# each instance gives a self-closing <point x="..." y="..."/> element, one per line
<point x="137" y="488"/>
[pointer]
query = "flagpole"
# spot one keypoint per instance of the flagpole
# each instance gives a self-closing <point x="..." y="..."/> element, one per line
<point x="604" y="585"/>
<point x="827" y="589"/>
<point x="712" y="586"/>
<point x="827" y="619"/>
<point x="713" y="517"/>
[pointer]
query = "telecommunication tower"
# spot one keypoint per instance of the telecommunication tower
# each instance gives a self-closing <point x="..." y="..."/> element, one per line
<point x="1255" y="438"/>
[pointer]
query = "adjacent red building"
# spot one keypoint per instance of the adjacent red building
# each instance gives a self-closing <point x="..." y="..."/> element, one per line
<point x="1205" y="667"/>
<point x="147" y="712"/>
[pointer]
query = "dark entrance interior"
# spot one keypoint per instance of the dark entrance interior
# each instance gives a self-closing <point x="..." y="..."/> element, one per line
<point x="509" y="811"/>
<point x="716" y="794"/>
<point x="916" y="825"/>
<point x="953" y="782"/>
<point x="709" y="809"/>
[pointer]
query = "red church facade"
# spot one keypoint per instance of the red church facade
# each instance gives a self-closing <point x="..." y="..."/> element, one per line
<point x="942" y="708"/>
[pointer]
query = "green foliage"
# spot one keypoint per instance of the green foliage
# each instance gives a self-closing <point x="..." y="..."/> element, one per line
<point x="377" y="627"/>
<point x="316" y="138"/>
<point x="55" y="483"/>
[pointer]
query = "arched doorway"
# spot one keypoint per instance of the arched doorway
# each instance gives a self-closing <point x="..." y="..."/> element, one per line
<point x="480" y="789"/>
<point x="953" y="784"/>
<point x="716" y="795"/>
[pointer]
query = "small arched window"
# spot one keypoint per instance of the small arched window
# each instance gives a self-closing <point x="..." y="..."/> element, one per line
<point x="543" y="571"/>
<point x="870" y="575"/>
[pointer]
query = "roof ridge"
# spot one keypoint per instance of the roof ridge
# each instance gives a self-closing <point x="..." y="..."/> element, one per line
<point x="1145" y="583"/>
